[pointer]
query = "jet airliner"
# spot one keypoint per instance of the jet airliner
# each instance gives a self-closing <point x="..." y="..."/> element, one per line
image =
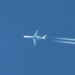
<point x="35" y="37"/>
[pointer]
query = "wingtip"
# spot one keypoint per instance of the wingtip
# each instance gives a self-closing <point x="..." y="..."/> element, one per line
<point x="37" y="30"/>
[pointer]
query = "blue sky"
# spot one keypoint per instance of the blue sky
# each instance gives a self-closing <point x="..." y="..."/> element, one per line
<point x="18" y="56"/>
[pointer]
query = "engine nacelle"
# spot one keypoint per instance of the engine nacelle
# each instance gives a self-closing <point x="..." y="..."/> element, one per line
<point x="38" y="36"/>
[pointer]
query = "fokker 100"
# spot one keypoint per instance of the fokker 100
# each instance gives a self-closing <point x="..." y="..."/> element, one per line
<point x="35" y="37"/>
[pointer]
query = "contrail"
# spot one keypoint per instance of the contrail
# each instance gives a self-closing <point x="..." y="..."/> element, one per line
<point x="65" y="40"/>
<point x="69" y="39"/>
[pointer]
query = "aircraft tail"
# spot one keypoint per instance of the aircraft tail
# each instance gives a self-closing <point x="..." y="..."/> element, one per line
<point x="44" y="37"/>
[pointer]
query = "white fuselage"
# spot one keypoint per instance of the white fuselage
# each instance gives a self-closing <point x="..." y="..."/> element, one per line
<point x="33" y="37"/>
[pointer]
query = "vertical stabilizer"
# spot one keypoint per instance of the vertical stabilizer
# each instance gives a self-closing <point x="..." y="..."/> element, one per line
<point x="44" y="37"/>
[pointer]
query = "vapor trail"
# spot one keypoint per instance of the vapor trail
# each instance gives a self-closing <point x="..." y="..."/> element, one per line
<point x="68" y="39"/>
<point x="65" y="40"/>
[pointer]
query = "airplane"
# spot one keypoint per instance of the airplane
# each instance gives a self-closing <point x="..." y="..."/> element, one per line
<point x="35" y="37"/>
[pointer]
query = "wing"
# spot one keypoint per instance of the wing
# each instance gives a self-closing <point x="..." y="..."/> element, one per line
<point x="36" y="33"/>
<point x="34" y="41"/>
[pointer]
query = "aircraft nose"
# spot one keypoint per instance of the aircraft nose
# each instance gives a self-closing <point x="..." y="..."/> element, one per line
<point x="23" y="36"/>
